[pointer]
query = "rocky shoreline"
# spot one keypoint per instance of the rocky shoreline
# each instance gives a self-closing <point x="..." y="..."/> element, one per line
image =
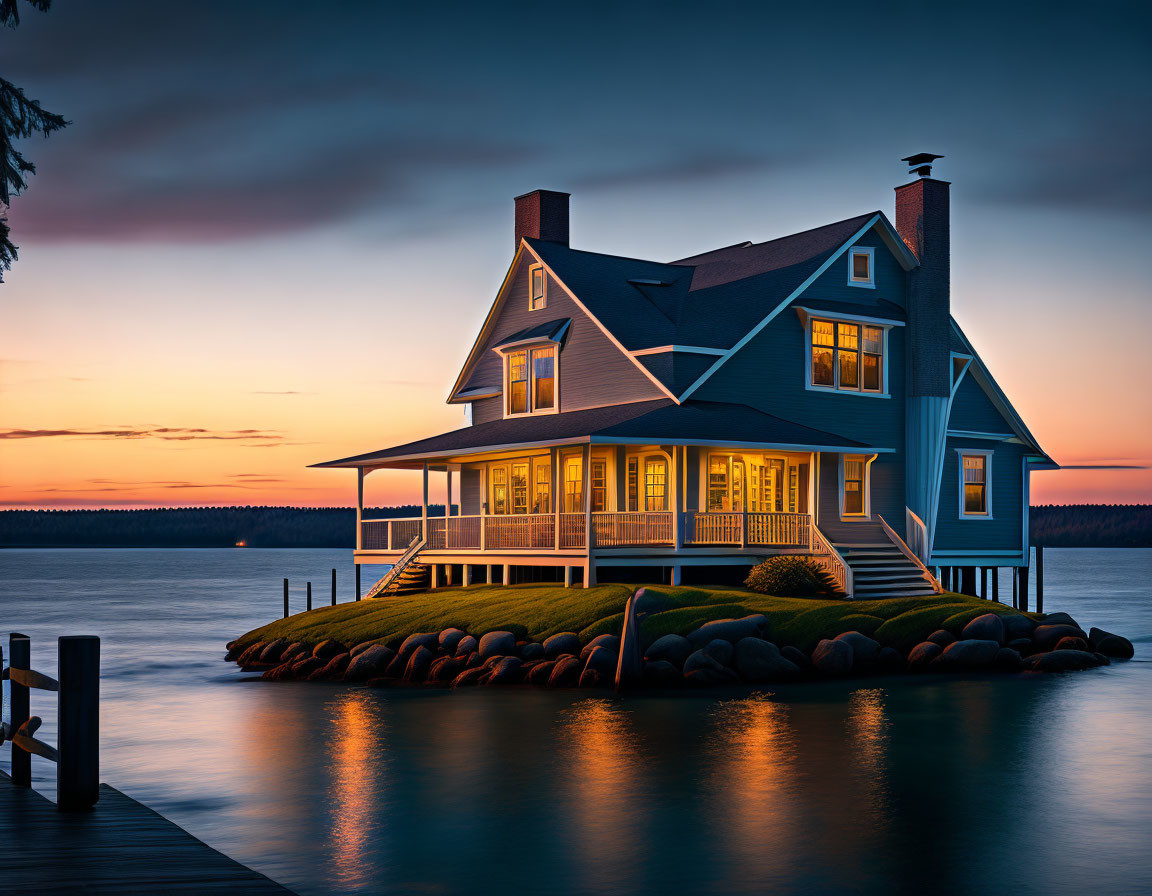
<point x="723" y="652"/>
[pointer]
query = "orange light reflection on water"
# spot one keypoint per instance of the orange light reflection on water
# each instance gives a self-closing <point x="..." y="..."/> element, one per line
<point x="358" y="768"/>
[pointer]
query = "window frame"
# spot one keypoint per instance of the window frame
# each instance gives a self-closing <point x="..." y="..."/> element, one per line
<point x="860" y="323"/>
<point x="533" y="299"/>
<point x="865" y="487"/>
<point x="870" y="253"/>
<point x="986" y="453"/>
<point x="530" y="351"/>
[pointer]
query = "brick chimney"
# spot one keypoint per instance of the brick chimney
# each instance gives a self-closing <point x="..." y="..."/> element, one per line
<point x="922" y="222"/>
<point x="542" y="215"/>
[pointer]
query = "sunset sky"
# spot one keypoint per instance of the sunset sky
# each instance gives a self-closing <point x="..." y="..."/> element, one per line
<point x="272" y="231"/>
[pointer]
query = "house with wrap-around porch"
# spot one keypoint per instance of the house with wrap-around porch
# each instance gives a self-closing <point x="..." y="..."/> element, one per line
<point x="683" y="420"/>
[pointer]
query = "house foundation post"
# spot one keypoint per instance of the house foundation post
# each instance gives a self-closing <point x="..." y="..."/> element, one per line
<point x="567" y="576"/>
<point x="507" y="575"/>
<point x="996" y="584"/>
<point x="1039" y="578"/>
<point x="465" y="575"/>
<point x="488" y="574"/>
<point x="435" y="581"/>
<point x="1024" y="588"/>
<point x="675" y="578"/>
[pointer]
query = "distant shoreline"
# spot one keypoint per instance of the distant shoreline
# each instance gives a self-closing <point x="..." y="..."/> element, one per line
<point x="1052" y="525"/>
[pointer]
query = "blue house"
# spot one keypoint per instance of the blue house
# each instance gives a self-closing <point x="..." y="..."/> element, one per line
<point x="636" y="419"/>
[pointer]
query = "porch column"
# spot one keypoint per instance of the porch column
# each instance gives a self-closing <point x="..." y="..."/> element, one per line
<point x="424" y="506"/>
<point x="448" y="502"/>
<point x="484" y="512"/>
<point x="557" y="503"/>
<point x="359" y="508"/>
<point x="435" y="576"/>
<point x="507" y="575"/>
<point x="586" y="488"/>
<point x="466" y="575"/>
<point x="675" y="575"/>
<point x="488" y="574"/>
<point x="677" y="498"/>
<point x="567" y="576"/>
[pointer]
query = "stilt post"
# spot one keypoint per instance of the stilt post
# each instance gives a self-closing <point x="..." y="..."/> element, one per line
<point x="19" y="657"/>
<point x="78" y="760"/>
<point x="333" y="587"/>
<point x="309" y="604"/>
<point x="1024" y="588"/>
<point x="996" y="584"/>
<point x="1039" y="578"/>
<point x="357" y="565"/>
<point x="285" y="598"/>
<point x="1016" y="587"/>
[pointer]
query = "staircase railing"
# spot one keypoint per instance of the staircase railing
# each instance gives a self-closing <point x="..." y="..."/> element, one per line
<point x="910" y="554"/>
<point x="406" y="559"/>
<point x="917" y="534"/>
<point x="837" y="567"/>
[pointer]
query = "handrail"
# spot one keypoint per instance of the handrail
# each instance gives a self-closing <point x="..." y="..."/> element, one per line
<point x="917" y="534"/>
<point x="405" y="560"/>
<point x="910" y="554"/>
<point x="841" y="571"/>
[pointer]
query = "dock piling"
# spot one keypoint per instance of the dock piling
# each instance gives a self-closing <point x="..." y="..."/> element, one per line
<point x="357" y="581"/>
<point x="333" y="587"/>
<point x="1039" y="578"/>
<point x="309" y="604"/>
<point x="285" y="598"/>
<point x="19" y="657"/>
<point x="78" y="765"/>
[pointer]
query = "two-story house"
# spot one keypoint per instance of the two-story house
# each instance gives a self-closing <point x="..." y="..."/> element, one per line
<point x="640" y="419"/>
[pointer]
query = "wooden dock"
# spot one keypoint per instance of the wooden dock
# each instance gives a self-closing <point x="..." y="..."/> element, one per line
<point x="119" y="846"/>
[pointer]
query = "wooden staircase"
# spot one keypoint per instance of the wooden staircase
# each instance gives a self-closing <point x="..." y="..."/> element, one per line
<point x="406" y="576"/>
<point x="880" y="568"/>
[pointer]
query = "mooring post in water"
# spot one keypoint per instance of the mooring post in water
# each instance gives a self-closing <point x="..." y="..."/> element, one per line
<point x="1039" y="578"/>
<point x="357" y="581"/>
<point x="19" y="657"/>
<point x="78" y="769"/>
<point x="996" y="584"/>
<point x="1024" y="588"/>
<point x="333" y="587"/>
<point x="285" y="598"/>
<point x="309" y="604"/>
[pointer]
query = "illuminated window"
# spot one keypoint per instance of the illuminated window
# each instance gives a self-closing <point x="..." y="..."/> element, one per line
<point x="847" y="356"/>
<point x="499" y="490"/>
<point x="573" y="486"/>
<point x="542" y="493"/>
<point x="531" y="377"/>
<point x="599" y="486"/>
<point x="974" y="483"/>
<point x="855" y="484"/>
<point x="725" y="483"/>
<point x="519" y="488"/>
<point x="518" y="383"/>
<point x="543" y="378"/>
<point x="860" y="267"/>
<point x="633" y="483"/>
<point x="655" y="484"/>
<point x="536" y="297"/>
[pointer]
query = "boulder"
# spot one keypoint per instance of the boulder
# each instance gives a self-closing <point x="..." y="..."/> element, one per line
<point x="832" y="657"/>
<point x="1070" y="643"/>
<point x="305" y="667"/>
<point x="942" y="637"/>
<point x="506" y="671"/>
<point x="731" y="630"/>
<point x="283" y="672"/>
<point x="446" y="668"/>
<point x="449" y="638"/>
<point x="430" y="640"/>
<point x="1007" y="660"/>
<point x="273" y="651"/>
<point x="566" y="672"/>
<point x="721" y="651"/>
<point x="865" y="651"/>
<point x="920" y="656"/>
<point x="796" y="657"/>
<point x="599" y="668"/>
<point x="1064" y="661"/>
<point x="532" y="651"/>
<point x="661" y="674"/>
<point x="611" y="643"/>
<point x="558" y="645"/>
<point x="469" y="677"/>
<point x="468" y="644"/>
<point x="701" y="659"/>
<point x="1021" y="645"/>
<point x="1048" y="636"/>
<point x="368" y="663"/>
<point x="333" y="670"/>
<point x="760" y="660"/>
<point x="1017" y="625"/>
<point x="968" y="654"/>
<point x="251" y="655"/>
<point x="710" y="676"/>
<point x="360" y="648"/>
<point x="327" y="649"/>
<point x="988" y="627"/>
<point x="890" y="660"/>
<point x="418" y="664"/>
<point x="1111" y="645"/>
<point x="295" y="651"/>
<point x="472" y="659"/>
<point x="541" y="672"/>
<point x="669" y="648"/>
<point x="497" y="644"/>
<point x="1059" y="618"/>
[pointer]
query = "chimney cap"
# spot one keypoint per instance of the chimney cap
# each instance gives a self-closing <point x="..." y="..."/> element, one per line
<point x="921" y="163"/>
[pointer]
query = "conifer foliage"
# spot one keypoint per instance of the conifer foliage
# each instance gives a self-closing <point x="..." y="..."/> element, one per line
<point x="20" y="118"/>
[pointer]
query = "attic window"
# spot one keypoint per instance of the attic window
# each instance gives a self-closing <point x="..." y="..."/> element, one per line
<point x="860" y="272"/>
<point x="536" y="297"/>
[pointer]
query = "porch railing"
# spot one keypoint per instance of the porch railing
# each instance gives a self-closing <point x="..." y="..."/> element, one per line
<point x="832" y="560"/>
<point x="916" y="534"/>
<point x="621" y="529"/>
<point x="742" y="529"/>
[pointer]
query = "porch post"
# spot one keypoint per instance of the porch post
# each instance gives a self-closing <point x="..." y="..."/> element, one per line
<point x="359" y="508"/>
<point x="676" y="501"/>
<point x="567" y="576"/>
<point x="466" y="575"/>
<point x="556" y="502"/>
<point x="424" y="506"/>
<point x="484" y="512"/>
<point x="586" y="488"/>
<point x="448" y="503"/>
<point x="435" y="576"/>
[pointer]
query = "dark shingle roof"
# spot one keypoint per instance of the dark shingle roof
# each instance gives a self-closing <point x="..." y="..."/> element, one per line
<point x="550" y="330"/>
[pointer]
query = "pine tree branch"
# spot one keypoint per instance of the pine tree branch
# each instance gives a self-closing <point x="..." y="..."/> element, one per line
<point x="20" y="117"/>
<point x="10" y="12"/>
<point x="7" y="250"/>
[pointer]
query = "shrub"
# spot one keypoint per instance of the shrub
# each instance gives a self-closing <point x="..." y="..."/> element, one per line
<point x="791" y="577"/>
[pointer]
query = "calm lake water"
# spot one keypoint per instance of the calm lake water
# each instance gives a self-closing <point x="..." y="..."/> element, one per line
<point x="981" y="785"/>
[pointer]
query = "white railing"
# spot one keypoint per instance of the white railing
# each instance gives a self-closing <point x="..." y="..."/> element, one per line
<point x="907" y="551"/>
<point x="572" y="530"/>
<point x="917" y="534"/>
<point x="827" y="554"/>
<point x="758" y="529"/>
<point x="622" y="529"/>
<point x="528" y="530"/>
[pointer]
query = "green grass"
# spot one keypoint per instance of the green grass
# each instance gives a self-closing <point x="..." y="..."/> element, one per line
<point x="537" y="611"/>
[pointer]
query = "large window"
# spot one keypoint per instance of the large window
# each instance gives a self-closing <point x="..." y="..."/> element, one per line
<point x="531" y="377"/>
<point x="974" y="469"/>
<point x="655" y="484"/>
<point x="573" y="486"/>
<point x="855" y="479"/>
<point x="500" y="490"/>
<point x="725" y="483"/>
<point x="542" y="490"/>
<point x="633" y="483"/>
<point x="519" y="488"/>
<point x="599" y="485"/>
<point x="847" y="356"/>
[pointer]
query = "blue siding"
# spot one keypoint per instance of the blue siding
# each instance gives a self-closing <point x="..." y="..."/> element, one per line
<point x="973" y="411"/>
<point x="886" y="482"/>
<point x="1004" y="531"/>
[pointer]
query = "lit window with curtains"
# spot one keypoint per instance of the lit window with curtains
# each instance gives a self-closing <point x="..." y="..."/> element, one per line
<point x="537" y="300"/>
<point x="518" y="383"/>
<point x="531" y="377"/>
<point x="855" y="469"/>
<point x="543" y="378"/>
<point x="573" y="486"/>
<point x="655" y="485"/>
<point x="542" y="493"/>
<point x="847" y="356"/>
<point x="599" y="486"/>
<point x="975" y="483"/>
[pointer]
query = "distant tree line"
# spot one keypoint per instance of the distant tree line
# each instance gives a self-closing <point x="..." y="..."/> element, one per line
<point x="1069" y="525"/>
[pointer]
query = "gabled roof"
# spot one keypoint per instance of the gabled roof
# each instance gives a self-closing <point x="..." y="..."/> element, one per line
<point x="550" y="331"/>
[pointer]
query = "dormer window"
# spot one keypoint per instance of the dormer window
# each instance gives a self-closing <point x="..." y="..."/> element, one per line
<point x="536" y="286"/>
<point x="860" y="272"/>
<point x="847" y="356"/>
<point x="530" y="378"/>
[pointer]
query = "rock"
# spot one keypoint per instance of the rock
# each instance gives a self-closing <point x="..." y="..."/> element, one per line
<point x="731" y="630"/>
<point x="497" y="644"/>
<point x="360" y="648"/>
<point x="532" y="651"/>
<point x="796" y="657"/>
<point x="368" y="663"/>
<point x="491" y="662"/>
<point x="720" y="650"/>
<point x="446" y="668"/>
<point x="305" y="667"/>
<point x="540" y="673"/>
<point x="295" y="651"/>
<point x="468" y="644"/>
<point x="430" y="640"/>
<point x="611" y="643"/>
<point x="630" y="662"/>
<point x="1064" y="661"/>
<point x="418" y="664"/>
<point x="469" y="677"/>
<point x="988" y="627"/>
<point x="890" y="660"/>
<point x="599" y="669"/>
<point x="1110" y="645"/>
<point x="566" y="672"/>
<point x="1060" y="618"/>
<point x="283" y="672"/>
<point x="1021" y="645"/>
<point x="251" y="655"/>
<point x="473" y="659"/>
<point x="273" y="651"/>
<point x="327" y="649"/>
<point x="449" y="638"/>
<point x="832" y="657"/>
<point x="865" y="651"/>
<point x="506" y="671"/>
<point x="920" y="656"/>
<point x="1007" y="660"/>
<point x="701" y="659"/>
<point x="661" y="674"/>
<point x="565" y="642"/>
<point x="942" y="637"/>
<point x="669" y="648"/>
<point x="234" y="652"/>
<point x="968" y="654"/>
<point x="1017" y="625"/>
<point x="710" y="676"/>
<point x="1047" y="636"/>
<point x="760" y="660"/>
<point x="1070" y="643"/>
<point x="333" y="670"/>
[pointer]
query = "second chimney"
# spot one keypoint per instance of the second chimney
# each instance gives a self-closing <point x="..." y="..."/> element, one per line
<point x="542" y="215"/>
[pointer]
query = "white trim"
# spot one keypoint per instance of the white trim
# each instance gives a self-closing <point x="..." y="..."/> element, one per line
<point x="813" y="387"/>
<point x="556" y="339"/>
<point x="993" y="436"/>
<point x="973" y="452"/>
<point x="870" y="252"/>
<point x="734" y="446"/>
<point x="687" y="349"/>
<point x="479" y="392"/>
<point x="791" y="297"/>
<point x="847" y="317"/>
<point x="953" y="356"/>
<point x="866" y="485"/>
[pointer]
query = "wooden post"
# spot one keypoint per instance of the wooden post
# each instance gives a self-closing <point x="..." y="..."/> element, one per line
<point x="677" y="498"/>
<point x="1039" y="578"/>
<point x="357" y="565"/>
<point x="1015" y="588"/>
<point x="586" y="488"/>
<point x="434" y="582"/>
<point x="360" y="509"/>
<point x="333" y="587"/>
<point x="557" y="497"/>
<point x="424" y="506"/>
<point x="285" y="598"/>
<point x="1024" y="588"/>
<point x="507" y="575"/>
<point x="676" y="572"/>
<point x="309" y="605"/>
<point x="19" y="657"/>
<point x="996" y="584"/>
<point x="465" y="575"/>
<point x="488" y="574"/>
<point x="567" y="576"/>
<point x="78" y="763"/>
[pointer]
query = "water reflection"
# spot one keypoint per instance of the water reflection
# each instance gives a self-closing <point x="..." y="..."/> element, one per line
<point x="868" y="740"/>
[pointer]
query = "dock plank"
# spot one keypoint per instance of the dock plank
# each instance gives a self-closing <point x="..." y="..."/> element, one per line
<point x="120" y="846"/>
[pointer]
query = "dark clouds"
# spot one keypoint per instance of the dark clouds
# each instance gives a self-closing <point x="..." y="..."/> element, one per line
<point x="163" y="433"/>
